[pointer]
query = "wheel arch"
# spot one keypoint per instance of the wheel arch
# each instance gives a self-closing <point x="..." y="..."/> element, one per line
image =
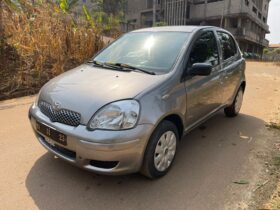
<point x="243" y="85"/>
<point x="177" y="121"/>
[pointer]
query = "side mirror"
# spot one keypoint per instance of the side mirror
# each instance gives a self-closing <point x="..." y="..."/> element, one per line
<point x="200" y="69"/>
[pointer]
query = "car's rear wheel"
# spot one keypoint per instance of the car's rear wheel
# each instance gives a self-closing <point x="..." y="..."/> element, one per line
<point x="234" y="109"/>
<point x="161" y="150"/>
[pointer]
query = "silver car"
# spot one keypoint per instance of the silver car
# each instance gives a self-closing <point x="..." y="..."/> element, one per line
<point x="126" y="110"/>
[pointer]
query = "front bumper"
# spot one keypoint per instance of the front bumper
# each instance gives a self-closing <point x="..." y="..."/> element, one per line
<point x="104" y="152"/>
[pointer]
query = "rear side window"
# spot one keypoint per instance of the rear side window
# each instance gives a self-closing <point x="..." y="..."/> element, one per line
<point x="229" y="48"/>
<point x="205" y="50"/>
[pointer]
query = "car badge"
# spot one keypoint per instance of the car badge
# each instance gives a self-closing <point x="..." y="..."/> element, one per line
<point x="56" y="106"/>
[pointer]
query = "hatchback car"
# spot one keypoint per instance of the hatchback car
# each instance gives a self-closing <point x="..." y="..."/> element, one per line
<point x="126" y="110"/>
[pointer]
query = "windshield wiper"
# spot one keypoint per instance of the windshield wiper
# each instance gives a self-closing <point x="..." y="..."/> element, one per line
<point x="120" y="67"/>
<point x="103" y="65"/>
<point x="124" y="66"/>
<point x="95" y="63"/>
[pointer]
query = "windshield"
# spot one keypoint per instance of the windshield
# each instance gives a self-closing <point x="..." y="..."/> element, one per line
<point x="152" y="51"/>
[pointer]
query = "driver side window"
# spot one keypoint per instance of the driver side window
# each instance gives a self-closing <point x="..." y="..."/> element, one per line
<point x="205" y="50"/>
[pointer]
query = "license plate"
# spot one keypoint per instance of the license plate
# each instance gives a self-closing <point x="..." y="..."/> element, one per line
<point x="52" y="134"/>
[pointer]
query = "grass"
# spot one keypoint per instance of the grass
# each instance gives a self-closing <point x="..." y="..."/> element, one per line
<point x="275" y="122"/>
<point x="274" y="125"/>
<point x="276" y="161"/>
<point x="38" y="43"/>
<point x="274" y="201"/>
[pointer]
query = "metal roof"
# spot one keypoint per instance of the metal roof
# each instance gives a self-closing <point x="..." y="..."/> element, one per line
<point x="274" y="46"/>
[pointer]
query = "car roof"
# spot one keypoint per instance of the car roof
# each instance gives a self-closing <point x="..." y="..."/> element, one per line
<point x="187" y="29"/>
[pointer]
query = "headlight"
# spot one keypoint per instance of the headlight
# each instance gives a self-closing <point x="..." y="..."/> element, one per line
<point x="118" y="115"/>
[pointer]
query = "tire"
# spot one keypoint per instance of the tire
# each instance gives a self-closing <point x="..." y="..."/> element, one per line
<point x="234" y="109"/>
<point x="161" y="150"/>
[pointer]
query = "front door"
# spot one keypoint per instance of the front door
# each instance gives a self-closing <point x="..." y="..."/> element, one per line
<point x="204" y="93"/>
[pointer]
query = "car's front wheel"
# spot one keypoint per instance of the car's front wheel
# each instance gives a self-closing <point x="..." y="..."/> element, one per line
<point x="161" y="150"/>
<point x="234" y="109"/>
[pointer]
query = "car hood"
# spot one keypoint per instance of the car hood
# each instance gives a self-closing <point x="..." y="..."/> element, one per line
<point x="86" y="89"/>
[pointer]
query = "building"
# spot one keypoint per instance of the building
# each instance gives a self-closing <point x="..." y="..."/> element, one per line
<point x="245" y="19"/>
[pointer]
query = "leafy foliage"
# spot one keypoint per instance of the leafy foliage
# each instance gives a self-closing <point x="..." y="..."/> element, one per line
<point x="157" y="24"/>
<point x="66" y="5"/>
<point x="277" y="51"/>
<point x="265" y="51"/>
<point x="88" y="16"/>
<point x="13" y="4"/>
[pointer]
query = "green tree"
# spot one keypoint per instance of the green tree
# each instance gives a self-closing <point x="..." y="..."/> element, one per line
<point x="88" y="16"/>
<point x="277" y="51"/>
<point x="67" y="5"/>
<point x="265" y="51"/>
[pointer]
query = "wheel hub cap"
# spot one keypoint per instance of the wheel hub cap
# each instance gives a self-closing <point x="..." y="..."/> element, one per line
<point x="238" y="101"/>
<point x="165" y="151"/>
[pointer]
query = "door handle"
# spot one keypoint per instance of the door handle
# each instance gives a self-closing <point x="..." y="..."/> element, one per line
<point x="166" y="96"/>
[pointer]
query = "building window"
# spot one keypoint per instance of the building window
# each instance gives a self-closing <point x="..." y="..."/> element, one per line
<point x="254" y="9"/>
<point x="198" y="2"/>
<point x="203" y="1"/>
<point x="247" y="2"/>
<point x="233" y="22"/>
<point x="210" y="1"/>
<point x="149" y="4"/>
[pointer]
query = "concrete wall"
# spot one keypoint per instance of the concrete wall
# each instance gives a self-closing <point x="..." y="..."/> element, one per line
<point x="134" y="9"/>
<point x="230" y="7"/>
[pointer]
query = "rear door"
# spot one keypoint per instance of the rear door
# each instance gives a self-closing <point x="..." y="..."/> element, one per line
<point x="203" y="93"/>
<point x="232" y="64"/>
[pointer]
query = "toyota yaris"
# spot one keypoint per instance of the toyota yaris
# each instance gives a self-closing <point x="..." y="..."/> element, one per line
<point x="126" y="109"/>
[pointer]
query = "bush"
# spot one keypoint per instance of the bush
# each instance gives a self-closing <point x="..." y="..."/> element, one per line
<point x="277" y="51"/>
<point x="158" y="24"/>
<point x="265" y="51"/>
<point x="39" y="42"/>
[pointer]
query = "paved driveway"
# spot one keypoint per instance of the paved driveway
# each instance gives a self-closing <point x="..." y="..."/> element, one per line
<point x="210" y="158"/>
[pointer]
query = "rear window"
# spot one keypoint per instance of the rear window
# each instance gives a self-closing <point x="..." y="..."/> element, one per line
<point x="228" y="45"/>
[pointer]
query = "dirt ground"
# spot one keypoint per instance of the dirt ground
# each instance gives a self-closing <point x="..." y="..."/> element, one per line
<point x="210" y="159"/>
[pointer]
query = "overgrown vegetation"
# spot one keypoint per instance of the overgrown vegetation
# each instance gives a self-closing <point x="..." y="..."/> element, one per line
<point x="275" y="122"/>
<point x="41" y="39"/>
<point x="272" y="55"/>
<point x="276" y="161"/>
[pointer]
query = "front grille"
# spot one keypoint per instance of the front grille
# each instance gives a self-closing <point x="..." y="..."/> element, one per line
<point x="64" y="116"/>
